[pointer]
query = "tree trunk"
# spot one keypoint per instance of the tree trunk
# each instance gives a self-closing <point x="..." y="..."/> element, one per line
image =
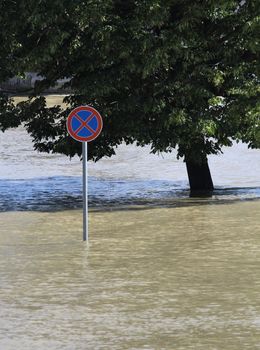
<point x="200" y="178"/>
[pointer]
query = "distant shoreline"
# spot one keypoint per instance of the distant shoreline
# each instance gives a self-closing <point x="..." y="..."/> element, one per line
<point x="23" y="86"/>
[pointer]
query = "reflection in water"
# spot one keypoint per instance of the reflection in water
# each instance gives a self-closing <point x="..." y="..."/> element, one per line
<point x="65" y="192"/>
<point x="58" y="193"/>
<point x="178" y="278"/>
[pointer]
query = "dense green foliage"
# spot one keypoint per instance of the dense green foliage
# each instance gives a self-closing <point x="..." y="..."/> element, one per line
<point x="170" y="73"/>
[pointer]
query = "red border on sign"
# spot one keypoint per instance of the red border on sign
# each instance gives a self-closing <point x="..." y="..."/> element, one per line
<point x="95" y="114"/>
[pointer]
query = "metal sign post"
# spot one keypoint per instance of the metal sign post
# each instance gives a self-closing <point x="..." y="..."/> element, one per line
<point x="84" y="124"/>
<point x="85" y="190"/>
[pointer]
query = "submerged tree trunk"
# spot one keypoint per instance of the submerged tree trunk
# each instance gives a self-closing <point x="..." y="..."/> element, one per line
<point x="201" y="183"/>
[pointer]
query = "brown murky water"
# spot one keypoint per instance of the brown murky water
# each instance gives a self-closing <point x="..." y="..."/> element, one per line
<point x="171" y="278"/>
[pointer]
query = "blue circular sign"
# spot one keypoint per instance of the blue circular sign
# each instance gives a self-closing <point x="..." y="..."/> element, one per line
<point x="84" y="123"/>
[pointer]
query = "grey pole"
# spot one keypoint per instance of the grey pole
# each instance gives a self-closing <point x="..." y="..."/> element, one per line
<point x="85" y="190"/>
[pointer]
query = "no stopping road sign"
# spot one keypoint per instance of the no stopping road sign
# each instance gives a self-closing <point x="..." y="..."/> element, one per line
<point x="84" y="123"/>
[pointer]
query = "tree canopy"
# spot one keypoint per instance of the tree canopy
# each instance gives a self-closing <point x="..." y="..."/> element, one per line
<point x="170" y="73"/>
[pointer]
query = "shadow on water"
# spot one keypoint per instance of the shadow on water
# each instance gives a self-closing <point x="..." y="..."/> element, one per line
<point x="65" y="192"/>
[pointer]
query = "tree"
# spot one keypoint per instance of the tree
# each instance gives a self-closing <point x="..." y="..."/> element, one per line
<point x="170" y="73"/>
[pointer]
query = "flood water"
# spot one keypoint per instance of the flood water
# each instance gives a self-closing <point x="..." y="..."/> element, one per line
<point x="162" y="270"/>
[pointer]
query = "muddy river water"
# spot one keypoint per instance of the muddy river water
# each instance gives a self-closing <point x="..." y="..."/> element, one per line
<point x="162" y="270"/>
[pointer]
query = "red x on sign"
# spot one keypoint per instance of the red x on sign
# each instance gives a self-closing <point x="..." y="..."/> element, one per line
<point x="84" y="123"/>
